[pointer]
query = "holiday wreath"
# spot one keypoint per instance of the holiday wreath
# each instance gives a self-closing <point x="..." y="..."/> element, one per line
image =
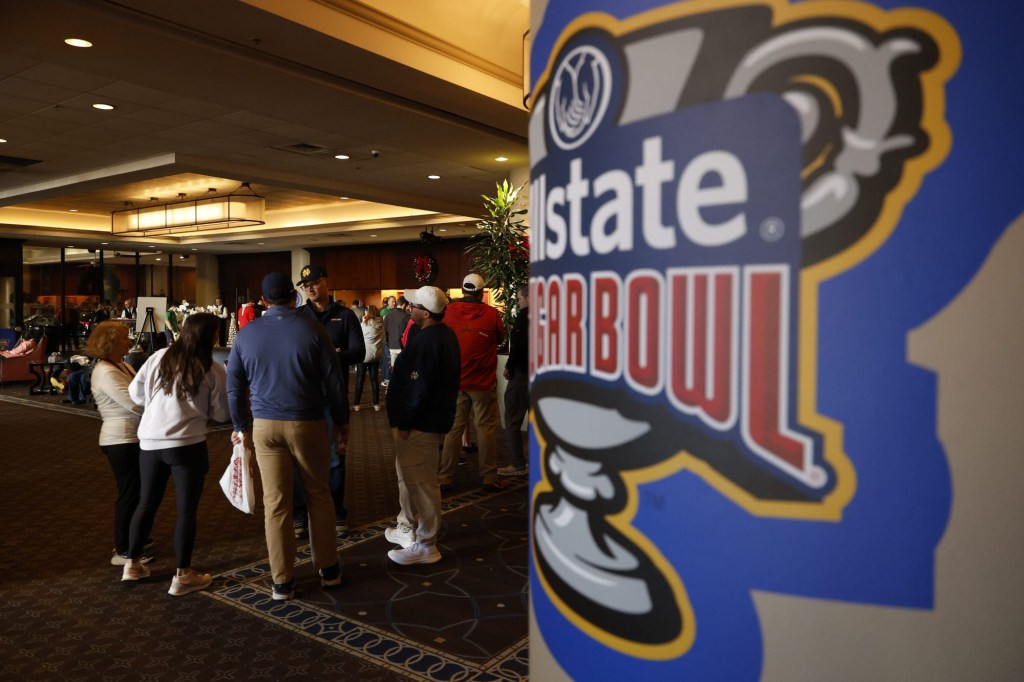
<point x="426" y="268"/>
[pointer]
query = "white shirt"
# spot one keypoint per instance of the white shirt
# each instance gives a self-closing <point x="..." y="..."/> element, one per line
<point x="120" y="414"/>
<point x="170" y="422"/>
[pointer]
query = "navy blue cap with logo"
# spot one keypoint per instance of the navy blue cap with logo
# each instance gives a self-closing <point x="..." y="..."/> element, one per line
<point x="311" y="273"/>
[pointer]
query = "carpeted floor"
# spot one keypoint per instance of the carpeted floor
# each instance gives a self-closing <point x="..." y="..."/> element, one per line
<point x="64" y="614"/>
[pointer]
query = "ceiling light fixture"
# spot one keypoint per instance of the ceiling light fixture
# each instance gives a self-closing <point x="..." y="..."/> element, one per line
<point x="157" y="258"/>
<point x="501" y="158"/>
<point x="341" y="157"/>
<point x="104" y="107"/>
<point x="433" y="177"/>
<point x="73" y="210"/>
<point x="78" y="42"/>
<point x="209" y="211"/>
<point x="2" y="140"/>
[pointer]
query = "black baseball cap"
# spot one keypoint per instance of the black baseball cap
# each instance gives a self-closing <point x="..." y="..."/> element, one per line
<point x="311" y="273"/>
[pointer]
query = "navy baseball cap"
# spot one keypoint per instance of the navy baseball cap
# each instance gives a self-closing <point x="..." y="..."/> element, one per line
<point x="311" y="273"/>
<point x="277" y="286"/>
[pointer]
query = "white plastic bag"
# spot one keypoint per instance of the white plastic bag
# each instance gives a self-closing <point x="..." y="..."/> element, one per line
<point x="237" y="481"/>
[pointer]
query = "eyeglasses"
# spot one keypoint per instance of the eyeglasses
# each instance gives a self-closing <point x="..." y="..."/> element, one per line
<point x="312" y="285"/>
<point x="417" y="306"/>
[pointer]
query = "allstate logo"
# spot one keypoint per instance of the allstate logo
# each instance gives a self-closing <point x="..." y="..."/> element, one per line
<point x="580" y="92"/>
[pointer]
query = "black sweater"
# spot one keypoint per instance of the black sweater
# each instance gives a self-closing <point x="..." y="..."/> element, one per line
<point x="425" y="382"/>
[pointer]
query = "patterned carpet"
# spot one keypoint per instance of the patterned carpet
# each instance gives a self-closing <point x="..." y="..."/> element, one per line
<point x="64" y="614"/>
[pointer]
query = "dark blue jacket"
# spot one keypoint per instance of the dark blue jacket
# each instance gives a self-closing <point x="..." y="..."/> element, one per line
<point x="425" y="382"/>
<point x="287" y="365"/>
<point x="345" y="331"/>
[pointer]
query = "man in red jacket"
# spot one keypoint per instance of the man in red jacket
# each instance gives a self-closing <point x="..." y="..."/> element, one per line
<point x="480" y="331"/>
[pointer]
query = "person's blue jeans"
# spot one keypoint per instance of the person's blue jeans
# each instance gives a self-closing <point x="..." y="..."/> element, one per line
<point x="386" y="364"/>
<point x="337" y="481"/>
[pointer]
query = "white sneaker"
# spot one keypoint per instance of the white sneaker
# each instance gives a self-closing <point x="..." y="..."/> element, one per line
<point x="190" y="582"/>
<point x="134" y="572"/>
<point x="402" y="535"/>
<point x="512" y="470"/>
<point x="355" y="408"/>
<point x="415" y="554"/>
<point x="376" y="408"/>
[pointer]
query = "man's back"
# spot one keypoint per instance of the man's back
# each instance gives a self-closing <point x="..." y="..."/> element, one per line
<point x="289" y="365"/>
<point x="394" y="326"/>
<point x="479" y="330"/>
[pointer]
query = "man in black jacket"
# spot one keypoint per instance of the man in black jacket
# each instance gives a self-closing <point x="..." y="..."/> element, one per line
<point x="346" y="334"/>
<point x="517" y="392"/>
<point x="421" y="408"/>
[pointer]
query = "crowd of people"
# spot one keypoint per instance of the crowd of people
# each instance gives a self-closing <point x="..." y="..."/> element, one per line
<point x="292" y="410"/>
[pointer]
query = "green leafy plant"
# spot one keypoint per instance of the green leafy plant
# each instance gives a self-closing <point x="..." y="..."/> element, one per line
<point x="501" y="249"/>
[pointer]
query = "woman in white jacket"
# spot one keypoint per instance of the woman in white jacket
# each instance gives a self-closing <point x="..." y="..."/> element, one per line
<point x="181" y="388"/>
<point x="373" y="337"/>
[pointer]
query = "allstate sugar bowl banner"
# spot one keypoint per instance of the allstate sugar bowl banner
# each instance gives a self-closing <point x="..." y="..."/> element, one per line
<point x="776" y="328"/>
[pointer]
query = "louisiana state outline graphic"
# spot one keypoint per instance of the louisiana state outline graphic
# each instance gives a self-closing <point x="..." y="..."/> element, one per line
<point x="685" y="215"/>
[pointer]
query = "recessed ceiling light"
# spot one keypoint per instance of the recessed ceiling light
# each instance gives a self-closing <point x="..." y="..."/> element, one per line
<point x="442" y="229"/>
<point x="343" y="198"/>
<point x="71" y="246"/>
<point x="341" y="157"/>
<point x="433" y="177"/>
<point x="157" y="258"/>
<point x="73" y="210"/>
<point x="259" y="243"/>
<point x="2" y="140"/>
<point x="104" y="107"/>
<point x="501" y="158"/>
<point x="373" y="235"/>
<point x="104" y="243"/>
<point x="78" y="42"/>
<point x="195" y="249"/>
<point x="151" y="246"/>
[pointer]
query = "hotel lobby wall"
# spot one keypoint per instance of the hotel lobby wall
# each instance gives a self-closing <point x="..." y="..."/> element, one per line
<point x="239" y="275"/>
<point x="392" y="266"/>
<point x="354" y="268"/>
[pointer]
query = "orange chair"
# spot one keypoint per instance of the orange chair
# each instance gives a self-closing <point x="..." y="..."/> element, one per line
<point x="16" y="369"/>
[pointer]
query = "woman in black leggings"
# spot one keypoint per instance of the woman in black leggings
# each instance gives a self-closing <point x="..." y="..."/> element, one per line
<point x="119" y="439"/>
<point x="181" y="388"/>
<point x="373" y="337"/>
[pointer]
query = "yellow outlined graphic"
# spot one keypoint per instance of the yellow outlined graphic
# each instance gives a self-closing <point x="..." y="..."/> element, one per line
<point x="936" y="130"/>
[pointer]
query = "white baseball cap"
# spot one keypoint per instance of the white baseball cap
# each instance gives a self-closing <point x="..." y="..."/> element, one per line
<point x="473" y="283"/>
<point x="431" y="298"/>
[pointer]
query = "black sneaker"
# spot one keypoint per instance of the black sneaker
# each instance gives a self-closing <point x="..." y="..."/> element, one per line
<point x="300" y="530"/>
<point x="330" y="576"/>
<point x="341" y="525"/>
<point x="284" y="591"/>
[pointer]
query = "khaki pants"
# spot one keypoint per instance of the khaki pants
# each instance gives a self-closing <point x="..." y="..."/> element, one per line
<point x="418" y="492"/>
<point x="484" y="405"/>
<point x="282" y="448"/>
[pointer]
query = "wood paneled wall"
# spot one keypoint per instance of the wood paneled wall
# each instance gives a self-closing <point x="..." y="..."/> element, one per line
<point x="237" y="273"/>
<point x="359" y="268"/>
<point x="392" y="266"/>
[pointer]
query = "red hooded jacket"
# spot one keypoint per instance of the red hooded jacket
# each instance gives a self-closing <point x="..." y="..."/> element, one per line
<point x="480" y="331"/>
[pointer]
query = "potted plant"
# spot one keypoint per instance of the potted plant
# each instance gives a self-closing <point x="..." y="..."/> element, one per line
<point x="501" y="249"/>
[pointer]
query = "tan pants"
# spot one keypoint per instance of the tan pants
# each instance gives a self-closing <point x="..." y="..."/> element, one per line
<point x="418" y="492"/>
<point x="282" y="449"/>
<point x="484" y="405"/>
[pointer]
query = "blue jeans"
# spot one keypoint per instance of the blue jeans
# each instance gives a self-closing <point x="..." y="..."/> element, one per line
<point x="336" y="480"/>
<point x="385" y="364"/>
